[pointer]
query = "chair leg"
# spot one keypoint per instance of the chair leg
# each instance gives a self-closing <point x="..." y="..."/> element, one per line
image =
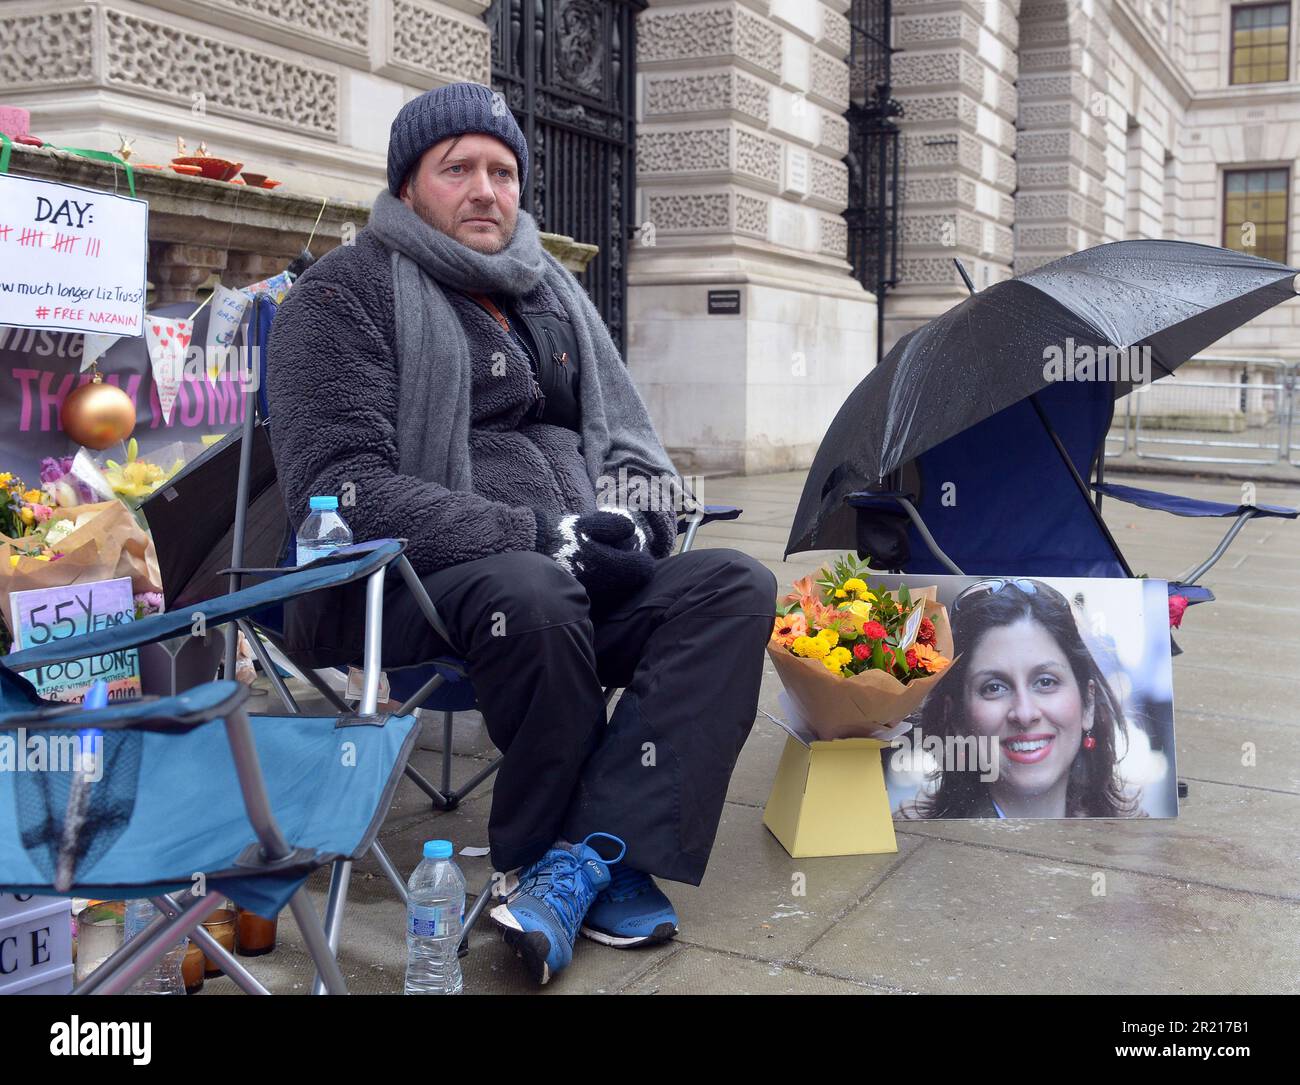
<point x="131" y="960"/>
<point x="455" y="797"/>
<point x="440" y="801"/>
<point x="239" y="975"/>
<point x="328" y="974"/>
<point x="389" y="869"/>
<point x="479" y="904"/>
<point x="340" y="877"/>
<point x="446" y="753"/>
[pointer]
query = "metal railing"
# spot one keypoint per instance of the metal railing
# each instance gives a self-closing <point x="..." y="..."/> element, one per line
<point x="1214" y="410"/>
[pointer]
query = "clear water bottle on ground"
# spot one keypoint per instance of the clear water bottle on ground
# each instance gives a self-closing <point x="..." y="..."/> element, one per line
<point x="434" y="915"/>
<point x="324" y="530"/>
<point x="165" y="977"/>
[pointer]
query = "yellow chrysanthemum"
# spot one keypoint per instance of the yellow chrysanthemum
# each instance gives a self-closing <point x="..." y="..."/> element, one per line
<point x="809" y="647"/>
<point x="840" y="593"/>
<point x="829" y="636"/>
<point x="834" y="666"/>
<point x="855" y="584"/>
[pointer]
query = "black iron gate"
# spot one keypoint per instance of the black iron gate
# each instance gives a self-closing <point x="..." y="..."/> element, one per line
<point x="566" y="69"/>
<point x="873" y="157"/>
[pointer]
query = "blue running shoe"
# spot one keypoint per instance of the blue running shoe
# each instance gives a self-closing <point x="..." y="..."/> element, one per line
<point x="631" y="911"/>
<point x="541" y="917"/>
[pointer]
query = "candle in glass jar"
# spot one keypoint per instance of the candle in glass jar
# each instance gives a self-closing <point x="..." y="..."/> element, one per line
<point x="221" y="925"/>
<point x="254" y="936"/>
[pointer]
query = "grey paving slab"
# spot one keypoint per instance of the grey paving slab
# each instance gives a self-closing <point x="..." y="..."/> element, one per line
<point x="1236" y="750"/>
<point x="1226" y="836"/>
<point x="958" y="920"/>
<point x="694" y="971"/>
<point x="758" y="902"/>
<point x="756" y="767"/>
<point x="1214" y="688"/>
<point x="492" y="968"/>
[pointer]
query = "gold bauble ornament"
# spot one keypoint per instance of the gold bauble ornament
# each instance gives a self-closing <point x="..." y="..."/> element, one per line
<point x="97" y="415"/>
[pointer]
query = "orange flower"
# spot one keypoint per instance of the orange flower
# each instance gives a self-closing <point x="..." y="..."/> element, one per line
<point x="787" y="627"/>
<point x="803" y="588"/>
<point x="929" y="659"/>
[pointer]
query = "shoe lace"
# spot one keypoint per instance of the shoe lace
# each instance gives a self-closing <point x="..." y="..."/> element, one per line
<point x="556" y="880"/>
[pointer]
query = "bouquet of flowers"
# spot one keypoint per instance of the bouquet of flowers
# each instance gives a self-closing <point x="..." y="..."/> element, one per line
<point x="855" y="659"/>
<point x="44" y="544"/>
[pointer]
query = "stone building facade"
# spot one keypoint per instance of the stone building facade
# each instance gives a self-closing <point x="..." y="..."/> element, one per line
<point x="1031" y="128"/>
<point x="1124" y="121"/>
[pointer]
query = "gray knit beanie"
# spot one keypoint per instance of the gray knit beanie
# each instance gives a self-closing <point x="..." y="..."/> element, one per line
<point x="449" y="111"/>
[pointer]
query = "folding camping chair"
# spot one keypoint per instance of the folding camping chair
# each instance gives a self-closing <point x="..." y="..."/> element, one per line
<point x="441" y="685"/>
<point x="255" y="806"/>
<point x="1008" y="495"/>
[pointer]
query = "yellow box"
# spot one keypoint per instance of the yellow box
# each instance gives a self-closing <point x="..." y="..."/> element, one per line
<point x="829" y="798"/>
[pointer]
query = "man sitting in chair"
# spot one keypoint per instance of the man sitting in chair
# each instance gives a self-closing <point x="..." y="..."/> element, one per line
<point x="450" y="377"/>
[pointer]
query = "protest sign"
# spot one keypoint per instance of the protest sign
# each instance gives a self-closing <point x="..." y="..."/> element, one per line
<point x="71" y="258"/>
<point x="56" y="613"/>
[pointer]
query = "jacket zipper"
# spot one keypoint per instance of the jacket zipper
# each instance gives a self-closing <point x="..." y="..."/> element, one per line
<point x="534" y="365"/>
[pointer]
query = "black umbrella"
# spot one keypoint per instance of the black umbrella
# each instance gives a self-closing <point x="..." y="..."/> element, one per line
<point x="1014" y="338"/>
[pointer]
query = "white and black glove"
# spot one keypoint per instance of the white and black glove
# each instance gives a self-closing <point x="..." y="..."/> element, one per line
<point x="607" y="551"/>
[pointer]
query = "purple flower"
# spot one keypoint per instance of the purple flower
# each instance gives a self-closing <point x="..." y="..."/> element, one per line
<point x="53" y="469"/>
<point x="148" y="602"/>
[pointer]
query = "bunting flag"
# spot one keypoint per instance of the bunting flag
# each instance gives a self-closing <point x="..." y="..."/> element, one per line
<point x="227" y="310"/>
<point x="167" y="339"/>
<point x="94" y="346"/>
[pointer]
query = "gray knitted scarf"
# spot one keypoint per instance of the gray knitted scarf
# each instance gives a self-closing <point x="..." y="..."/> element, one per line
<point x="433" y="352"/>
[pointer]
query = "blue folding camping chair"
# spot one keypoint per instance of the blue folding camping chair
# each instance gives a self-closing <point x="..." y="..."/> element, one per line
<point x="1008" y="495"/>
<point x="185" y="813"/>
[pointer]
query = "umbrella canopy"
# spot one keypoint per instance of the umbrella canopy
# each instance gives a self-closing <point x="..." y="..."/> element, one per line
<point x="1061" y="322"/>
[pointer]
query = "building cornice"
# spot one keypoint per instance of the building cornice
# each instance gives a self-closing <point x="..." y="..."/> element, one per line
<point x="1153" y="52"/>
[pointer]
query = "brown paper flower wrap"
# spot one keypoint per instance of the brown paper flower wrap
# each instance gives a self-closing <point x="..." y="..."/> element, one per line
<point x="861" y="705"/>
<point x="110" y="544"/>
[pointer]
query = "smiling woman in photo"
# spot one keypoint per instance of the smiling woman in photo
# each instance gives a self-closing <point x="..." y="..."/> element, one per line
<point x="1026" y="683"/>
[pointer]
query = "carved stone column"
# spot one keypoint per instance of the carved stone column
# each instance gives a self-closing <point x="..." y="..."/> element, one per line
<point x="243" y="268"/>
<point x="178" y="270"/>
<point x="746" y="328"/>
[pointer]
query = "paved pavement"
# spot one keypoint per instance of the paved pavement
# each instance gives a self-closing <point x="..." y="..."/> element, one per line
<point x="1209" y="902"/>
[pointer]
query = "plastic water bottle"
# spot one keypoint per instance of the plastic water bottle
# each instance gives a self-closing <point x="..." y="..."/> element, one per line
<point x="165" y="977"/>
<point x="323" y="532"/>
<point x="434" y="914"/>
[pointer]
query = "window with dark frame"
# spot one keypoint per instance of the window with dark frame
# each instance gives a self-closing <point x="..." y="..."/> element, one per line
<point x="1255" y="201"/>
<point x="1261" y="43"/>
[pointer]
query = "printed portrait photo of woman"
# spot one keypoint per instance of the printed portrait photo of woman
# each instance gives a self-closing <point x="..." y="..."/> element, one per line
<point x="1051" y="723"/>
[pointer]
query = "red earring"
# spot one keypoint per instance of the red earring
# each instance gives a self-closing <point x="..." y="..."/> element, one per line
<point x="1089" y="743"/>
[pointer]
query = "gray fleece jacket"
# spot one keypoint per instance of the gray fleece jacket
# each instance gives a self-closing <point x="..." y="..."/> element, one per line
<point x="333" y="388"/>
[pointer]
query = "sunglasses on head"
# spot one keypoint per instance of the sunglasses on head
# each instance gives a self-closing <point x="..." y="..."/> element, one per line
<point x="992" y="587"/>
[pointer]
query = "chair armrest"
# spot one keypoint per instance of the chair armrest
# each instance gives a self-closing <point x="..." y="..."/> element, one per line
<point x="181" y="712"/>
<point x="711" y="513"/>
<point x="1187" y="506"/>
<point x="342" y="567"/>
<point x="877" y="499"/>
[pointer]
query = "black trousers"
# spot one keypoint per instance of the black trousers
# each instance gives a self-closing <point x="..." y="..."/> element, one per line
<point x="688" y="649"/>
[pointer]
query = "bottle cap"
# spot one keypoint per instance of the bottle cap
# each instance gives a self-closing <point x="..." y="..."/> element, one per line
<point x="437" y="849"/>
<point x="324" y="503"/>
